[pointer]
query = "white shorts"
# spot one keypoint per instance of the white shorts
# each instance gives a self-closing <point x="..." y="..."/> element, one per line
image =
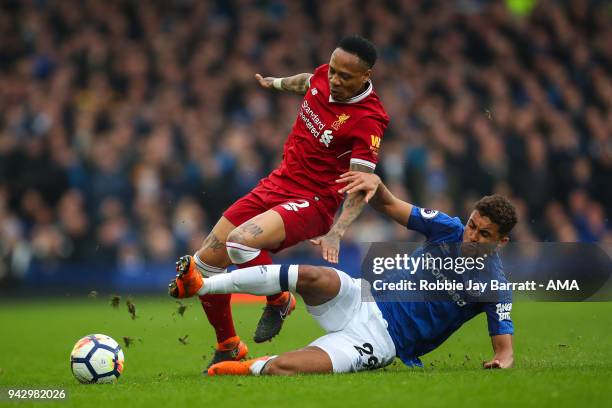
<point x="357" y="336"/>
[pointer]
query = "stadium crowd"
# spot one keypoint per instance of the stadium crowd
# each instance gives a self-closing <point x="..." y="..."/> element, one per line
<point x="127" y="127"/>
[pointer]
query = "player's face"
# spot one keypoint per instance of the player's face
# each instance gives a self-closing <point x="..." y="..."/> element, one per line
<point x="347" y="75"/>
<point x="481" y="235"/>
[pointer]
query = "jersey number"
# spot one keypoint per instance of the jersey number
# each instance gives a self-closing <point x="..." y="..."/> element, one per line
<point x="291" y="206"/>
<point x="368" y="350"/>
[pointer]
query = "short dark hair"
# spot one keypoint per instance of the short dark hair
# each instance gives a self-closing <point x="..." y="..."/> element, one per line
<point x="361" y="47"/>
<point x="499" y="210"/>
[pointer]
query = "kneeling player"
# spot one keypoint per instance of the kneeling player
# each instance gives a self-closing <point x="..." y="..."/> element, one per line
<point x="366" y="335"/>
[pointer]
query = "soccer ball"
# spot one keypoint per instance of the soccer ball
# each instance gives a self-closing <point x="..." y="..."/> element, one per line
<point x="96" y="358"/>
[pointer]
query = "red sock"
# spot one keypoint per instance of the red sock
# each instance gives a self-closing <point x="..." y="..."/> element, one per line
<point x="263" y="259"/>
<point x="219" y="312"/>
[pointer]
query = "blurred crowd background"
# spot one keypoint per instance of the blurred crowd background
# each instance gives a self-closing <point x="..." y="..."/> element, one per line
<point x="126" y="127"/>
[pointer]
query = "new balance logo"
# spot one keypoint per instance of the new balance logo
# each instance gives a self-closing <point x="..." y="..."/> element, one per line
<point x="326" y="137"/>
<point x="291" y="206"/>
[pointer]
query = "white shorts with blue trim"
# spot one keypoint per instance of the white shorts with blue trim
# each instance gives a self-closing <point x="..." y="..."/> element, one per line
<point x="357" y="337"/>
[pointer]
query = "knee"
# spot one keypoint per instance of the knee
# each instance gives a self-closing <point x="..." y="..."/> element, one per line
<point x="317" y="284"/>
<point x="310" y="276"/>
<point x="241" y="249"/>
<point x="315" y="277"/>
<point x="236" y="236"/>
<point x="280" y="366"/>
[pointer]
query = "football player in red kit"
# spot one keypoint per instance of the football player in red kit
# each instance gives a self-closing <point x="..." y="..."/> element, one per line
<point x="339" y="127"/>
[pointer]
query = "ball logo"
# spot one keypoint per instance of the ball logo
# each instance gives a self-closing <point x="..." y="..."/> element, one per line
<point x="428" y="214"/>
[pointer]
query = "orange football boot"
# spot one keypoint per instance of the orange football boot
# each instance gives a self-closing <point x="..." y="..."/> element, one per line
<point x="188" y="279"/>
<point x="234" y="367"/>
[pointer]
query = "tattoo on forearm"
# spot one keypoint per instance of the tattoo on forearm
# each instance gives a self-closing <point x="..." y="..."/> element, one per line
<point x="353" y="204"/>
<point x="297" y="83"/>
<point x="212" y="242"/>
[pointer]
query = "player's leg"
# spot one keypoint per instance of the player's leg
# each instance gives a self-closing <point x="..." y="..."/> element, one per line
<point x="247" y="244"/>
<point x="309" y="360"/>
<point x="357" y="337"/>
<point x="316" y="284"/>
<point x="282" y="226"/>
<point x="211" y="259"/>
<point x="245" y="247"/>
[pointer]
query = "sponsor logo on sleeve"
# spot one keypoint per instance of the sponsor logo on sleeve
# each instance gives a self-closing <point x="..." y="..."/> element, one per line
<point x="503" y="311"/>
<point x="428" y="214"/>
<point x="375" y="145"/>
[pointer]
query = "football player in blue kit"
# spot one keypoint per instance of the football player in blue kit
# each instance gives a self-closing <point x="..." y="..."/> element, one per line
<point x="364" y="335"/>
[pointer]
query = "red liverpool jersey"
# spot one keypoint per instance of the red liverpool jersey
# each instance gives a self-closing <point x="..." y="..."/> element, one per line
<point x="327" y="137"/>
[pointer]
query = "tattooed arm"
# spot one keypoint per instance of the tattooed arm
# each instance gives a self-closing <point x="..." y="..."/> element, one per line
<point x="352" y="207"/>
<point x="297" y="83"/>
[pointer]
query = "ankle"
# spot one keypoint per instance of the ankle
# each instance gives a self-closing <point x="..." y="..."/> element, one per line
<point x="229" y="343"/>
<point x="279" y="299"/>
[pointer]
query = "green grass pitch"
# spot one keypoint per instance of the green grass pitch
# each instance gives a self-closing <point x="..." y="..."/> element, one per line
<point x="563" y="354"/>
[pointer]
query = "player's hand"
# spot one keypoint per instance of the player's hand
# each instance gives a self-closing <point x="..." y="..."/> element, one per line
<point x="264" y="82"/>
<point x="359" y="181"/>
<point x="330" y="246"/>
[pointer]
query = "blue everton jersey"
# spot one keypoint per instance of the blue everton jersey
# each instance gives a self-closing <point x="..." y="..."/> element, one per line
<point x="418" y="327"/>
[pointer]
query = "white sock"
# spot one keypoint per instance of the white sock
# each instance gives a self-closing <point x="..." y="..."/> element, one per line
<point x="240" y="254"/>
<point x="256" y="280"/>
<point x="206" y="269"/>
<point x="259" y="365"/>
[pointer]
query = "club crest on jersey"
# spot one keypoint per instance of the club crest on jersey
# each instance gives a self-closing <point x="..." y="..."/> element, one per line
<point x="342" y="118"/>
<point x="314" y="91"/>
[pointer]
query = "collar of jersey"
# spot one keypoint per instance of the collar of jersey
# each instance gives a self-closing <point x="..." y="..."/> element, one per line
<point x="356" y="98"/>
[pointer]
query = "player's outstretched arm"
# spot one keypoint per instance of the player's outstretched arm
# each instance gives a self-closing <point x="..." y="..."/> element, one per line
<point x="351" y="208"/>
<point x="504" y="356"/>
<point x="297" y="83"/>
<point x="377" y="194"/>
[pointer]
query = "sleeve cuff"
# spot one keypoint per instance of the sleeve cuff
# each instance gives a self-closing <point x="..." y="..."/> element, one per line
<point x="364" y="163"/>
